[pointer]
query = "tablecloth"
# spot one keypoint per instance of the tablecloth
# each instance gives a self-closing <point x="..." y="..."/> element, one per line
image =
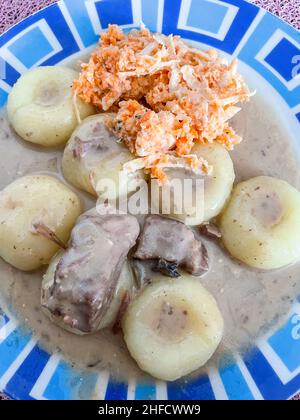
<point x="11" y="11"/>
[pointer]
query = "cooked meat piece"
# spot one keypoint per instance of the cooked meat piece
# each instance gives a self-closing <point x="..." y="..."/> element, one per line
<point x="172" y="241"/>
<point x="86" y="276"/>
<point x="210" y="230"/>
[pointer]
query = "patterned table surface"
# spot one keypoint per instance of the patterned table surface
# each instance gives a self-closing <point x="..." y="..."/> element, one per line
<point x="12" y="11"/>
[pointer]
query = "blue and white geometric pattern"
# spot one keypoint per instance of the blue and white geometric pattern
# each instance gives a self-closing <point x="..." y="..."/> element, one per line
<point x="283" y="348"/>
<point x="220" y="24"/>
<point x="270" y="371"/>
<point x="43" y="45"/>
<point x="193" y="17"/>
<point x="272" y="49"/>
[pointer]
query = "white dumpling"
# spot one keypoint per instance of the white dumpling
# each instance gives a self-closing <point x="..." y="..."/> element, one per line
<point x="41" y="106"/>
<point x="37" y="214"/>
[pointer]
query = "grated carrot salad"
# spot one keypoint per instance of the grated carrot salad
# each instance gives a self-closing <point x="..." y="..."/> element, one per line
<point x="167" y="95"/>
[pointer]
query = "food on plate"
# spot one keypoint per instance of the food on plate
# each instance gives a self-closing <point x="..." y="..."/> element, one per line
<point x="149" y="136"/>
<point x="42" y="108"/>
<point x="81" y="283"/>
<point x="171" y="243"/>
<point x="261" y="224"/>
<point x="204" y="201"/>
<point x="190" y="95"/>
<point x="173" y="327"/>
<point x="163" y="114"/>
<point x="93" y="154"/>
<point x="37" y="214"/>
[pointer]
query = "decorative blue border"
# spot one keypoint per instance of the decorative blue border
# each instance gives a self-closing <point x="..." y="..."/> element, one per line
<point x="269" y="372"/>
<point x="273" y="50"/>
<point x="270" y="47"/>
<point x="233" y="33"/>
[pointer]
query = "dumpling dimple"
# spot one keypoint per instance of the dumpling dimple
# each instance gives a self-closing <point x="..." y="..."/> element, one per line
<point x="267" y="208"/>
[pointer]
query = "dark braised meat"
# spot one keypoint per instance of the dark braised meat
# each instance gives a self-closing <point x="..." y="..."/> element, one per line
<point x="172" y="244"/>
<point x="86" y="276"/>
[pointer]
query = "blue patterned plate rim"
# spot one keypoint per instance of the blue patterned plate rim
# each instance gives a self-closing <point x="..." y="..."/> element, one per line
<point x="267" y="45"/>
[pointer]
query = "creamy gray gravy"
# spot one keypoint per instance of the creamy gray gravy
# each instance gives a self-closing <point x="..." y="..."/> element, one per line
<point x="250" y="301"/>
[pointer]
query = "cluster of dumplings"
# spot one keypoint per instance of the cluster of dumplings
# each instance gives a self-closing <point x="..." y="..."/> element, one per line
<point x="259" y="219"/>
